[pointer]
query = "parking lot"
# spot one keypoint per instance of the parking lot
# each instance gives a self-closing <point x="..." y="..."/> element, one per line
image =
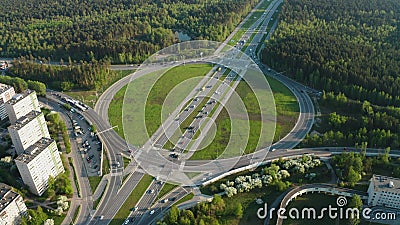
<point x="88" y="144"/>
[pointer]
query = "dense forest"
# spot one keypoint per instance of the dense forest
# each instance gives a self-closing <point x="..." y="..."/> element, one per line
<point x="121" y="31"/>
<point x="355" y="123"/>
<point x="350" y="46"/>
<point x="92" y="75"/>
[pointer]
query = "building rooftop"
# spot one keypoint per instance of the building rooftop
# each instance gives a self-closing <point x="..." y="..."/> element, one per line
<point x="4" y="87"/>
<point x="21" y="122"/>
<point x="34" y="150"/>
<point x="7" y="195"/>
<point x="18" y="97"/>
<point x="387" y="184"/>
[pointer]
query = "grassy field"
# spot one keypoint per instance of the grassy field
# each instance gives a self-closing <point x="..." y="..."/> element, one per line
<point x="126" y="161"/>
<point x="287" y="111"/>
<point x="94" y="182"/>
<point x="165" y="190"/>
<point x="184" y="199"/>
<point x="316" y="201"/>
<point x="287" y="108"/>
<point x="115" y="111"/>
<point x="176" y="83"/>
<point x="133" y="198"/>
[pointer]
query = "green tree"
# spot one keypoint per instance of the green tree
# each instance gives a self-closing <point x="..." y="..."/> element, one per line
<point x="66" y="86"/>
<point x="37" y="216"/>
<point x="173" y="215"/>
<point x="37" y="86"/>
<point x="355" y="202"/>
<point x="238" y="211"/>
<point x="353" y="177"/>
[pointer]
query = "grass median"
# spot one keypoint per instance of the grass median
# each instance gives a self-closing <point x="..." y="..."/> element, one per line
<point x="287" y="111"/>
<point x="165" y="190"/>
<point x="144" y="121"/>
<point x="132" y="200"/>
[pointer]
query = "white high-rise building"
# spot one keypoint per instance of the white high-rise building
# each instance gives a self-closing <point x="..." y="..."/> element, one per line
<point x="27" y="130"/>
<point x="38" y="163"/>
<point x="12" y="206"/>
<point x="6" y="93"/>
<point x="384" y="191"/>
<point x="22" y="104"/>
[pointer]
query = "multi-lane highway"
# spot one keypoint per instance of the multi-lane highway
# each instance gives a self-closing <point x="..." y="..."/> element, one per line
<point x="116" y="145"/>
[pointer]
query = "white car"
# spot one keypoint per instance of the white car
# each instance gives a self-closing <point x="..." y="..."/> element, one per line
<point x="152" y="212"/>
<point x="126" y="221"/>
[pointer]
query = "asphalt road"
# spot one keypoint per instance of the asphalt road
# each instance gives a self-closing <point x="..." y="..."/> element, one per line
<point x="117" y="145"/>
<point x="85" y="199"/>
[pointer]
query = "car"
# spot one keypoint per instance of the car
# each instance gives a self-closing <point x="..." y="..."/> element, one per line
<point x="134" y="209"/>
<point x="99" y="149"/>
<point x="208" y="86"/>
<point x="165" y="200"/>
<point x="152" y="212"/>
<point x="187" y="109"/>
<point x="205" y="113"/>
<point x="98" y="142"/>
<point x="101" y="217"/>
<point x="95" y="167"/>
<point x="126" y="221"/>
<point x="273" y="149"/>
<point x="195" y="99"/>
<point x="172" y="199"/>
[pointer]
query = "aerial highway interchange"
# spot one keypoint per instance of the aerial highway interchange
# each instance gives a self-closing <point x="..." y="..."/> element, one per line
<point x="148" y="210"/>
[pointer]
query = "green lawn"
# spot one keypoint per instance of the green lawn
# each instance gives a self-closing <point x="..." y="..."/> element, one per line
<point x="165" y="190"/>
<point x="184" y="199"/>
<point x="115" y="111"/>
<point x="145" y="108"/>
<point x="316" y="201"/>
<point x="126" y="161"/>
<point x="287" y="108"/>
<point x="76" y="213"/>
<point x="132" y="200"/>
<point x="106" y="165"/>
<point x="94" y="182"/>
<point x="287" y="111"/>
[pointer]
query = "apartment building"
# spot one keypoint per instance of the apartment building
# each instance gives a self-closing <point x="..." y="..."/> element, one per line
<point x="21" y="104"/>
<point x="38" y="162"/>
<point x="6" y="93"/>
<point x="12" y="206"/>
<point x="384" y="191"/>
<point x="27" y="130"/>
